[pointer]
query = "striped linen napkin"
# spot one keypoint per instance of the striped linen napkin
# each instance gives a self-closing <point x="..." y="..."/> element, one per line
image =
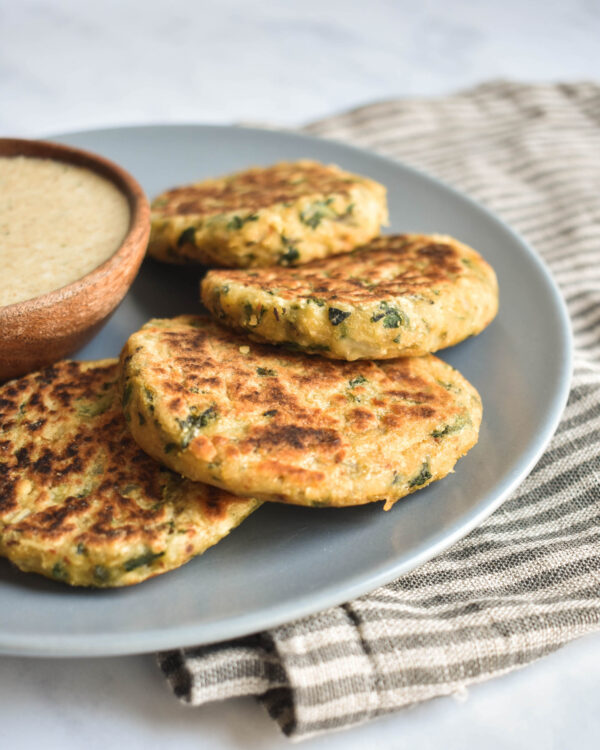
<point x="528" y="579"/>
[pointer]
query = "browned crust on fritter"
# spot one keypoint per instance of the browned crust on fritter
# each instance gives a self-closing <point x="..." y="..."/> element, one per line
<point x="256" y="188"/>
<point x="279" y="426"/>
<point x="387" y="267"/>
<point x="75" y="486"/>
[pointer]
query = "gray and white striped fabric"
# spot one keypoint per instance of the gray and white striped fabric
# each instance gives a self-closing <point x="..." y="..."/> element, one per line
<point x="527" y="580"/>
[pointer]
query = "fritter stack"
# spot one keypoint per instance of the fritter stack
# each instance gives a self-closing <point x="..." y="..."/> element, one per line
<point x="313" y="383"/>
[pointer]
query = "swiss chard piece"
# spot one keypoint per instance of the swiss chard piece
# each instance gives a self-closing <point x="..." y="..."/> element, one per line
<point x="237" y="222"/>
<point x="315" y="212"/>
<point x="187" y="237"/>
<point x="337" y="316"/>
<point x="127" y="391"/>
<point x="347" y="213"/>
<point x="391" y="317"/>
<point x="194" y="422"/>
<point x="59" y="572"/>
<point x="422" y="477"/>
<point x="452" y="428"/>
<point x="97" y="407"/>
<point x="290" y="252"/>
<point x="146" y="558"/>
<point x="397" y="479"/>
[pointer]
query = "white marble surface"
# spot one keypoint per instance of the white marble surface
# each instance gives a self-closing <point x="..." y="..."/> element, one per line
<point x="101" y="704"/>
<point x="71" y="64"/>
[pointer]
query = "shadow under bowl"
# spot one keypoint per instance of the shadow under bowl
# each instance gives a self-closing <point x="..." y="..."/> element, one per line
<point x="39" y="331"/>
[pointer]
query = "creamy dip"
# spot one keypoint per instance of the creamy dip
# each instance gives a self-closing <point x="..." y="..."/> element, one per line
<point x="57" y="223"/>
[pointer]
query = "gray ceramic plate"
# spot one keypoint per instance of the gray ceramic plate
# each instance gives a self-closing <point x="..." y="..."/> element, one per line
<point x="285" y="562"/>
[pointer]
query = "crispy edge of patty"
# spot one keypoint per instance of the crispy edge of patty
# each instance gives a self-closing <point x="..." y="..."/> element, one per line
<point x="314" y="225"/>
<point x="275" y="480"/>
<point x="363" y="323"/>
<point x="98" y="537"/>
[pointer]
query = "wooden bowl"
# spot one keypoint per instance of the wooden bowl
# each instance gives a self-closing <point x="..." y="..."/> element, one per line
<point x="39" y="331"/>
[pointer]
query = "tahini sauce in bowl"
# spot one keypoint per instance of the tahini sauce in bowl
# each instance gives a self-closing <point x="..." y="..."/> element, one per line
<point x="58" y="222"/>
<point x="74" y="228"/>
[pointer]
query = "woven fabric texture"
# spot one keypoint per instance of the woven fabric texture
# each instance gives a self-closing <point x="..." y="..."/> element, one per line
<point x="528" y="579"/>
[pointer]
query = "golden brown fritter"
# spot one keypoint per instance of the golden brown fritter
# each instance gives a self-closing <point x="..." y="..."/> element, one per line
<point x="400" y="295"/>
<point x="285" y="214"/>
<point x="79" y="501"/>
<point x="260" y="421"/>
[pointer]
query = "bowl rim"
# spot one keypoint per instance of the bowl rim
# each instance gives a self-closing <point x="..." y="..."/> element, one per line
<point x="133" y="243"/>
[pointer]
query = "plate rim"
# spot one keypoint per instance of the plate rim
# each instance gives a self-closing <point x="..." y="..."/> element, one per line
<point x="157" y="639"/>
